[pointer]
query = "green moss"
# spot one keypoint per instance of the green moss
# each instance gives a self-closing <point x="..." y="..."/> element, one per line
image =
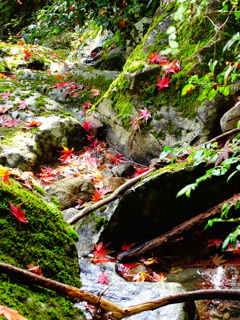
<point x="46" y="240"/>
<point x="38" y="188"/>
<point x="100" y="222"/>
<point x="123" y="105"/>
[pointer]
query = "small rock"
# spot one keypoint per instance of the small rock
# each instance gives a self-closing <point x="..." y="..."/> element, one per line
<point x="123" y="170"/>
<point x="113" y="182"/>
<point x="230" y="119"/>
<point x="68" y="190"/>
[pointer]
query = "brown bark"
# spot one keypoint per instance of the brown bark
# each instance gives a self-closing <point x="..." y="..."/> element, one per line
<point x="112" y="197"/>
<point x="115" y="311"/>
<point x="175" y="235"/>
<point x="222" y="136"/>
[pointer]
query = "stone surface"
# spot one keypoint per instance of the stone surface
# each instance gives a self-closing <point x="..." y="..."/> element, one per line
<point x="231" y="118"/>
<point x="113" y="60"/>
<point x="68" y="190"/>
<point x="151" y="208"/>
<point x="126" y="293"/>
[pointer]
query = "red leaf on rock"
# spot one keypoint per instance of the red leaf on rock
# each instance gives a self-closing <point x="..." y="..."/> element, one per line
<point x="103" y="278"/>
<point x="100" y="193"/>
<point x="163" y="82"/>
<point x="126" y="246"/>
<point x="31" y="124"/>
<point x="88" y="125"/>
<point x="100" y="251"/>
<point x="144" y="114"/>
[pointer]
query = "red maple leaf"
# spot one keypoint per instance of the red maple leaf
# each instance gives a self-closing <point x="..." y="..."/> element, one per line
<point x="100" y="193"/>
<point x="103" y="278"/>
<point x="60" y="85"/>
<point x="88" y="125"/>
<point x="32" y="124"/>
<point x="156" y="58"/>
<point x="35" y="269"/>
<point x="5" y="175"/>
<point x="100" y="251"/>
<point x="10" y="314"/>
<point x="18" y="213"/>
<point x="65" y="154"/>
<point x="126" y="246"/>
<point x="5" y="95"/>
<point x="95" y="92"/>
<point x="26" y="55"/>
<point x="214" y="242"/>
<point x="144" y="114"/>
<point x="163" y="82"/>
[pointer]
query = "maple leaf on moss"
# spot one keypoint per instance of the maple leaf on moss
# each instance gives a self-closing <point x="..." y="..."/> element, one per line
<point x="35" y="269"/>
<point x="103" y="278"/>
<point x="95" y="92"/>
<point x="156" y="58"/>
<point x="18" y="213"/>
<point x="163" y="82"/>
<point x="5" y="175"/>
<point x="10" y="314"/>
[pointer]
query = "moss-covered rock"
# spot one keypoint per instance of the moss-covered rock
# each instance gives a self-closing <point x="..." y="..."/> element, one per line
<point x="47" y="241"/>
<point x="185" y="118"/>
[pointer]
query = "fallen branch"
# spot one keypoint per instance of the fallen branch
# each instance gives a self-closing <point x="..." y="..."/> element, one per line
<point x="173" y="236"/>
<point x="221" y="136"/>
<point x="112" y="197"/>
<point x="115" y="311"/>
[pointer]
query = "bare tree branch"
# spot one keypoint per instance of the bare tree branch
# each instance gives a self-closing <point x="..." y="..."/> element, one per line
<point x="115" y="311"/>
<point x="112" y="197"/>
<point x="173" y="236"/>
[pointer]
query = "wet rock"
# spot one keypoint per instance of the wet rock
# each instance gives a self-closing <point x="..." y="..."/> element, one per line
<point x="113" y="60"/>
<point x="123" y="170"/>
<point x="151" y="208"/>
<point x="113" y="182"/>
<point x="231" y="118"/>
<point x="68" y="190"/>
<point x="126" y="293"/>
<point x="27" y="150"/>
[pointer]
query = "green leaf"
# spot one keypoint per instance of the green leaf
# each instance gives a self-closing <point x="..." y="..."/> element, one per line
<point x="187" y="190"/>
<point x="212" y="94"/>
<point x="173" y="44"/>
<point x="224" y="90"/>
<point x="187" y="88"/>
<point x="171" y="29"/>
<point x="237" y="14"/>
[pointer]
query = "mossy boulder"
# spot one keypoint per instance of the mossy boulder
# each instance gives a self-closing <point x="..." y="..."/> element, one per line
<point x="45" y="241"/>
<point x="176" y="118"/>
<point x="151" y="208"/>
